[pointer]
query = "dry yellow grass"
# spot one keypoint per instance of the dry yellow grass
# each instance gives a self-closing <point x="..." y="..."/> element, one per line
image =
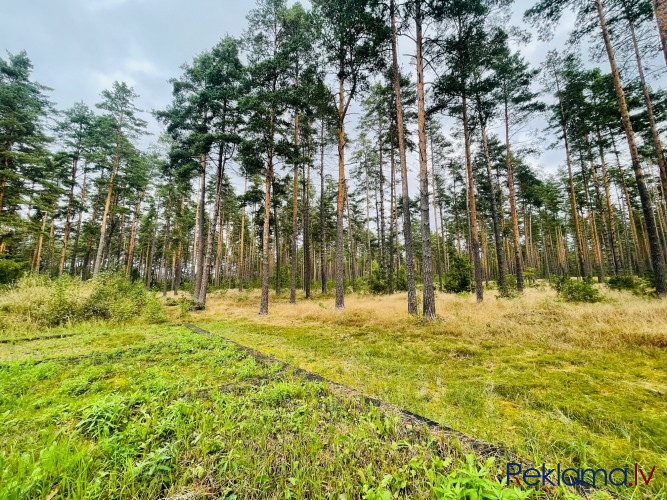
<point x="622" y="320"/>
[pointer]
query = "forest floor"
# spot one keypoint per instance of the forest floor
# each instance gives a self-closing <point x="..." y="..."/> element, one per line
<point x="583" y="385"/>
<point x="142" y="410"/>
<point x="159" y="411"/>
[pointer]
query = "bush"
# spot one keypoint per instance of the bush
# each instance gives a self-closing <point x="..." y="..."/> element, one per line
<point x="40" y="301"/>
<point x="459" y="277"/>
<point x="628" y="283"/>
<point x="11" y="270"/>
<point x="511" y="288"/>
<point x="577" y="291"/>
<point x="377" y="285"/>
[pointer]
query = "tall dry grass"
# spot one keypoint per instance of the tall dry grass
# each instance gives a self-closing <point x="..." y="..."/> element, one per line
<point x="621" y="321"/>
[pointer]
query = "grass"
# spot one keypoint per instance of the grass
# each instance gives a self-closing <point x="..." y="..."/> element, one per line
<point x="580" y="384"/>
<point x="140" y="411"/>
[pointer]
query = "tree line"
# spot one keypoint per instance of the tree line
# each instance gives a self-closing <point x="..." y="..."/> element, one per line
<point x="235" y="192"/>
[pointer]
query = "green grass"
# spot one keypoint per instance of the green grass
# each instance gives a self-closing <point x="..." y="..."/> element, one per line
<point x="144" y="411"/>
<point x="580" y="407"/>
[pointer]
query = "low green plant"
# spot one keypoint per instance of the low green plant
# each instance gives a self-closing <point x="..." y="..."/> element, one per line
<point x="577" y="291"/>
<point x="459" y="277"/>
<point x="629" y="283"/>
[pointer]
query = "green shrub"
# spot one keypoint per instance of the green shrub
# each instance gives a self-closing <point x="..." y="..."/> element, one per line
<point x="377" y="285"/>
<point x="11" y="270"/>
<point x="511" y="288"/>
<point x="627" y="282"/>
<point x="40" y="301"/>
<point x="577" y="291"/>
<point x="459" y="277"/>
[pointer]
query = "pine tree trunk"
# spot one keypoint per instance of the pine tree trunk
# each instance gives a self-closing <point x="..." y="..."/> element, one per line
<point x="306" y="225"/>
<point x="438" y="262"/>
<point x="615" y="246"/>
<point x="295" y="214"/>
<point x="218" y="250"/>
<point x="383" y="246"/>
<point x="472" y="206"/>
<point x="77" y="233"/>
<point x="68" y="216"/>
<point x="597" y="254"/>
<point x="323" y="264"/>
<point x="392" y="215"/>
<point x="239" y="263"/>
<point x="133" y="236"/>
<point x="107" y="207"/>
<point x="353" y="263"/>
<point x="518" y="262"/>
<point x="264" y="301"/>
<point x="407" y="223"/>
<point x="655" y="136"/>
<point x="573" y="201"/>
<point x="652" y="232"/>
<point x="660" y="9"/>
<point x="198" y="256"/>
<point x="166" y="247"/>
<point x="212" y="227"/>
<point x="497" y="231"/>
<point x="340" y="200"/>
<point x="427" y="259"/>
<point x="37" y="262"/>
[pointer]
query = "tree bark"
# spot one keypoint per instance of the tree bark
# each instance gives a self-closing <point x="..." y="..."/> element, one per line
<point x="306" y="224"/>
<point x="340" y="200"/>
<point x="215" y="212"/>
<point x="427" y="259"/>
<point x="407" y="224"/>
<point x="518" y="261"/>
<point x="472" y="206"/>
<point x="655" y="136"/>
<point x="295" y="214"/>
<point x="107" y="207"/>
<point x="652" y="232"/>
<point x="77" y="233"/>
<point x="497" y="231"/>
<point x="323" y="266"/>
<point x="199" y="270"/>
<point x="660" y="9"/>
<point x="70" y="200"/>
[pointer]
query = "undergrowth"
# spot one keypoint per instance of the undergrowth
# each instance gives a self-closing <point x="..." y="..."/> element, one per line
<point x="37" y="301"/>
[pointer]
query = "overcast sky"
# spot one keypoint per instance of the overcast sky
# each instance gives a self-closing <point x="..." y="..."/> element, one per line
<point x="79" y="47"/>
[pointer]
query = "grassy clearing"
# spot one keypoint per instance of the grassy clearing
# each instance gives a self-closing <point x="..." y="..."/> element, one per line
<point x="579" y="384"/>
<point x="139" y="413"/>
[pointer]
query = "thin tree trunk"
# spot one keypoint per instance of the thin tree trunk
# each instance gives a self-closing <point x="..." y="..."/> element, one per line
<point x="295" y="214"/>
<point x="340" y="201"/>
<point x="660" y="9"/>
<point x="392" y="215"/>
<point x="652" y="232"/>
<point x="518" y="263"/>
<point x="212" y="227"/>
<point x="70" y="200"/>
<point x="407" y="224"/>
<point x="239" y="263"/>
<point x="427" y="259"/>
<point x="497" y="231"/>
<point x="199" y="254"/>
<point x="264" y="301"/>
<point x="77" y="233"/>
<point x="472" y="207"/>
<point x="655" y="136"/>
<point x="323" y="267"/>
<point x="306" y="224"/>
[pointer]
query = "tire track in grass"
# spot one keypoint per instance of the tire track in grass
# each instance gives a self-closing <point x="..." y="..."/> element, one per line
<point x="480" y="448"/>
